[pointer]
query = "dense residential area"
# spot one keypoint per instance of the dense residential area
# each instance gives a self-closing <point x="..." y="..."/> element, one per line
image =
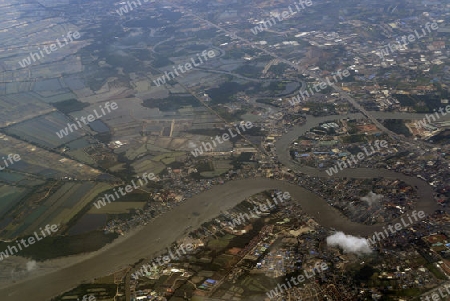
<point x="224" y="150"/>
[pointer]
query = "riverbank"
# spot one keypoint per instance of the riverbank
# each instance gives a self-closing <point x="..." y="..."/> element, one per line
<point x="62" y="274"/>
<point x="169" y="228"/>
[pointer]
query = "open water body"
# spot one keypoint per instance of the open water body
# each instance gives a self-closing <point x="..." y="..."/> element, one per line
<point x="165" y="229"/>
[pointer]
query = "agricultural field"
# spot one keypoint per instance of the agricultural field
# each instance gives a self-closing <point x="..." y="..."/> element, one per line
<point x="58" y="207"/>
<point x="53" y="96"/>
<point x="147" y="165"/>
<point x="156" y="164"/>
<point x="19" y="179"/>
<point x="9" y="197"/>
<point x="169" y="157"/>
<point x="82" y="156"/>
<point x="134" y="152"/>
<point x="14" y="111"/>
<point x="42" y="130"/>
<point x="11" y="177"/>
<point x="219" y="166"/>
<point x="37" y="161"/>
<point x="161" y="129"/>
<point x="68" y="201"/>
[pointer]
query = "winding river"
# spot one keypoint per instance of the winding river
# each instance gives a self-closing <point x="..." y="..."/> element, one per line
<point x="424" y="190"/>
<point x="198" y="209"/>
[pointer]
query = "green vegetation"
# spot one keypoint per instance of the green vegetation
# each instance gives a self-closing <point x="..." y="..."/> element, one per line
<point x="70" y="105"/>
<point x="223" y="112"/>
<point x="318" y="109"/>
<point x="219" y="244"/>
<point x="161" y="61"/>
<point x="354" y="138"/>
<point x="277" y="87"/>
<point x="99" y="290"/>
<point x="58" y="246"/>
<point x="224" y="93"/>
<point x="239" y="53"/>
<point x="249" y="71"/>
<point x="410" y="292"/>
<point x="279" y="69"/>
<point x="172" y="103"/>
<point x="267" y="102"/>
<point x="420" y="103"/>
<point x="397" y="126"/>
<point x="213" y="174"/>
<point x="436" y="272"/>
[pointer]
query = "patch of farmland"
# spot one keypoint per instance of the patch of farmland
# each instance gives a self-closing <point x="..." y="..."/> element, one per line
<point x="146" y="165"/>
<point x="78" y="144"/>
<point x="50" y="84"/>
<point x="9" y="196"/>
<point x="15" y="178"/>
<point x="69" y="212"/>
<point x="16" y="108"/>
<point x="173" y="155"/>
<point x="10" y="177"/>
<point x="82" y="156"/>
<point x="18" y="229"/>
<point x="54" y="203"/>
<point x="65" y="203"/>
<point x="53" y="96"/>
<point x="37" y="161"/>
<point x="136" y="150"/>
<point x="42" y="130"/>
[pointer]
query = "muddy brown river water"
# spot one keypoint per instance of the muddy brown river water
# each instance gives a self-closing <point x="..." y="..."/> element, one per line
<point x="161" y="232"/>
